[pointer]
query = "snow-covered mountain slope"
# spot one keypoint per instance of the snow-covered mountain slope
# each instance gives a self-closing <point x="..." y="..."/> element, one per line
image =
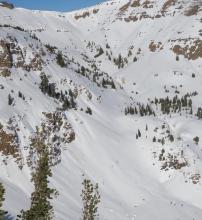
<point x="122" y="105"/>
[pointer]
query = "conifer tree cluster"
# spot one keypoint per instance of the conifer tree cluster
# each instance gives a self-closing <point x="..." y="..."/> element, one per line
<point x="161" y="155"/>
<point x="100" y="52"/>
<point x="44" y="85"/>
<point x="10" y="100"/>
<point x="67" y="99"/>
<point x="60" y="60"/>
<point x="108" y="55"/>
<point x="97" y="76"/>
<point x="89" y="111"/>
<point x="41" y="208"/>
<point x="83" y="71"/>
<point x="196" y="139"/>
<point x="93" y="73"/>
<point x="20" y="95"/>
<point x="167" y="106"/>
<point x="90" y="198"/>
<point x="107" y="46"/>
<point x="120" y="61"/>
<point x="90" y="45"/>
<point x="140" y="109"/>
<point x="199" y="113"/>
<point x="175" y="104"/>
<point x="50" y="48"/>
<point x="171" y="137"/>
<point x="106" y="82"/>
<point x="138" y="135"/>
<point x="2" y="192"/>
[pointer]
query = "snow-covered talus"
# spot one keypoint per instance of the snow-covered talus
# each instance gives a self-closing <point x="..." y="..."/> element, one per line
<point x="117" y="87"/>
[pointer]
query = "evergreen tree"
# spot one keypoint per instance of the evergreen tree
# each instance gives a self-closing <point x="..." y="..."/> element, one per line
<point x="171" y="138"/>
<point x="120" y="61"/>
<point x="89" y="111"/>
<point x="196" y="140"/>
<point x="162" y="141"/>
<point x="2" y="192"/>
<point x="44" y="83"/>
<point x="91" y="198"/>
<point x="154" y="139"/>
<point x="71" y="93"/>
<point x="10" y="100"/>
<point x="107" y="46"/>
<point x="83" y="70"/>
<point x="51" y="90"/>
<point x="40" y="209"/>
<point x="191" y="111"/>
<point x="66" y="104"/>
<point x="60" y="60"/>
<point x="199" y="113"/>
<point x="72" y="102"/>
<point x="100" y="52"/>
<point x="130" y="53"/>
<point x="139" y="133"/>
<point x="20" y="94"/>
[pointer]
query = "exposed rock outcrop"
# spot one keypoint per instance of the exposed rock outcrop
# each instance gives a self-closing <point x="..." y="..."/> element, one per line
<point x="5" y="59"/>
<point x="7" y="5"/>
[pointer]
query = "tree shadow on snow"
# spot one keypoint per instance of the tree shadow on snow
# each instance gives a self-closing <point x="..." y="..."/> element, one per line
<point x="8" y="217"/>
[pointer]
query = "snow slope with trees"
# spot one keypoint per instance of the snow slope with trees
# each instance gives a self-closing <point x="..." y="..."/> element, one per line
<point x="113" y="94"/>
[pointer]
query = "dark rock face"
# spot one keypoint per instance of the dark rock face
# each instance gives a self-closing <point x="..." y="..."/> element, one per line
<point x="5" y="59"/>
<point x="6" y="5"/>
<point x="5" y="56"/>
<point x="12" y="55"/>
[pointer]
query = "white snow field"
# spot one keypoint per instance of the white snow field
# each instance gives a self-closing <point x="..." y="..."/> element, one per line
<point x="160" y="48"/>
